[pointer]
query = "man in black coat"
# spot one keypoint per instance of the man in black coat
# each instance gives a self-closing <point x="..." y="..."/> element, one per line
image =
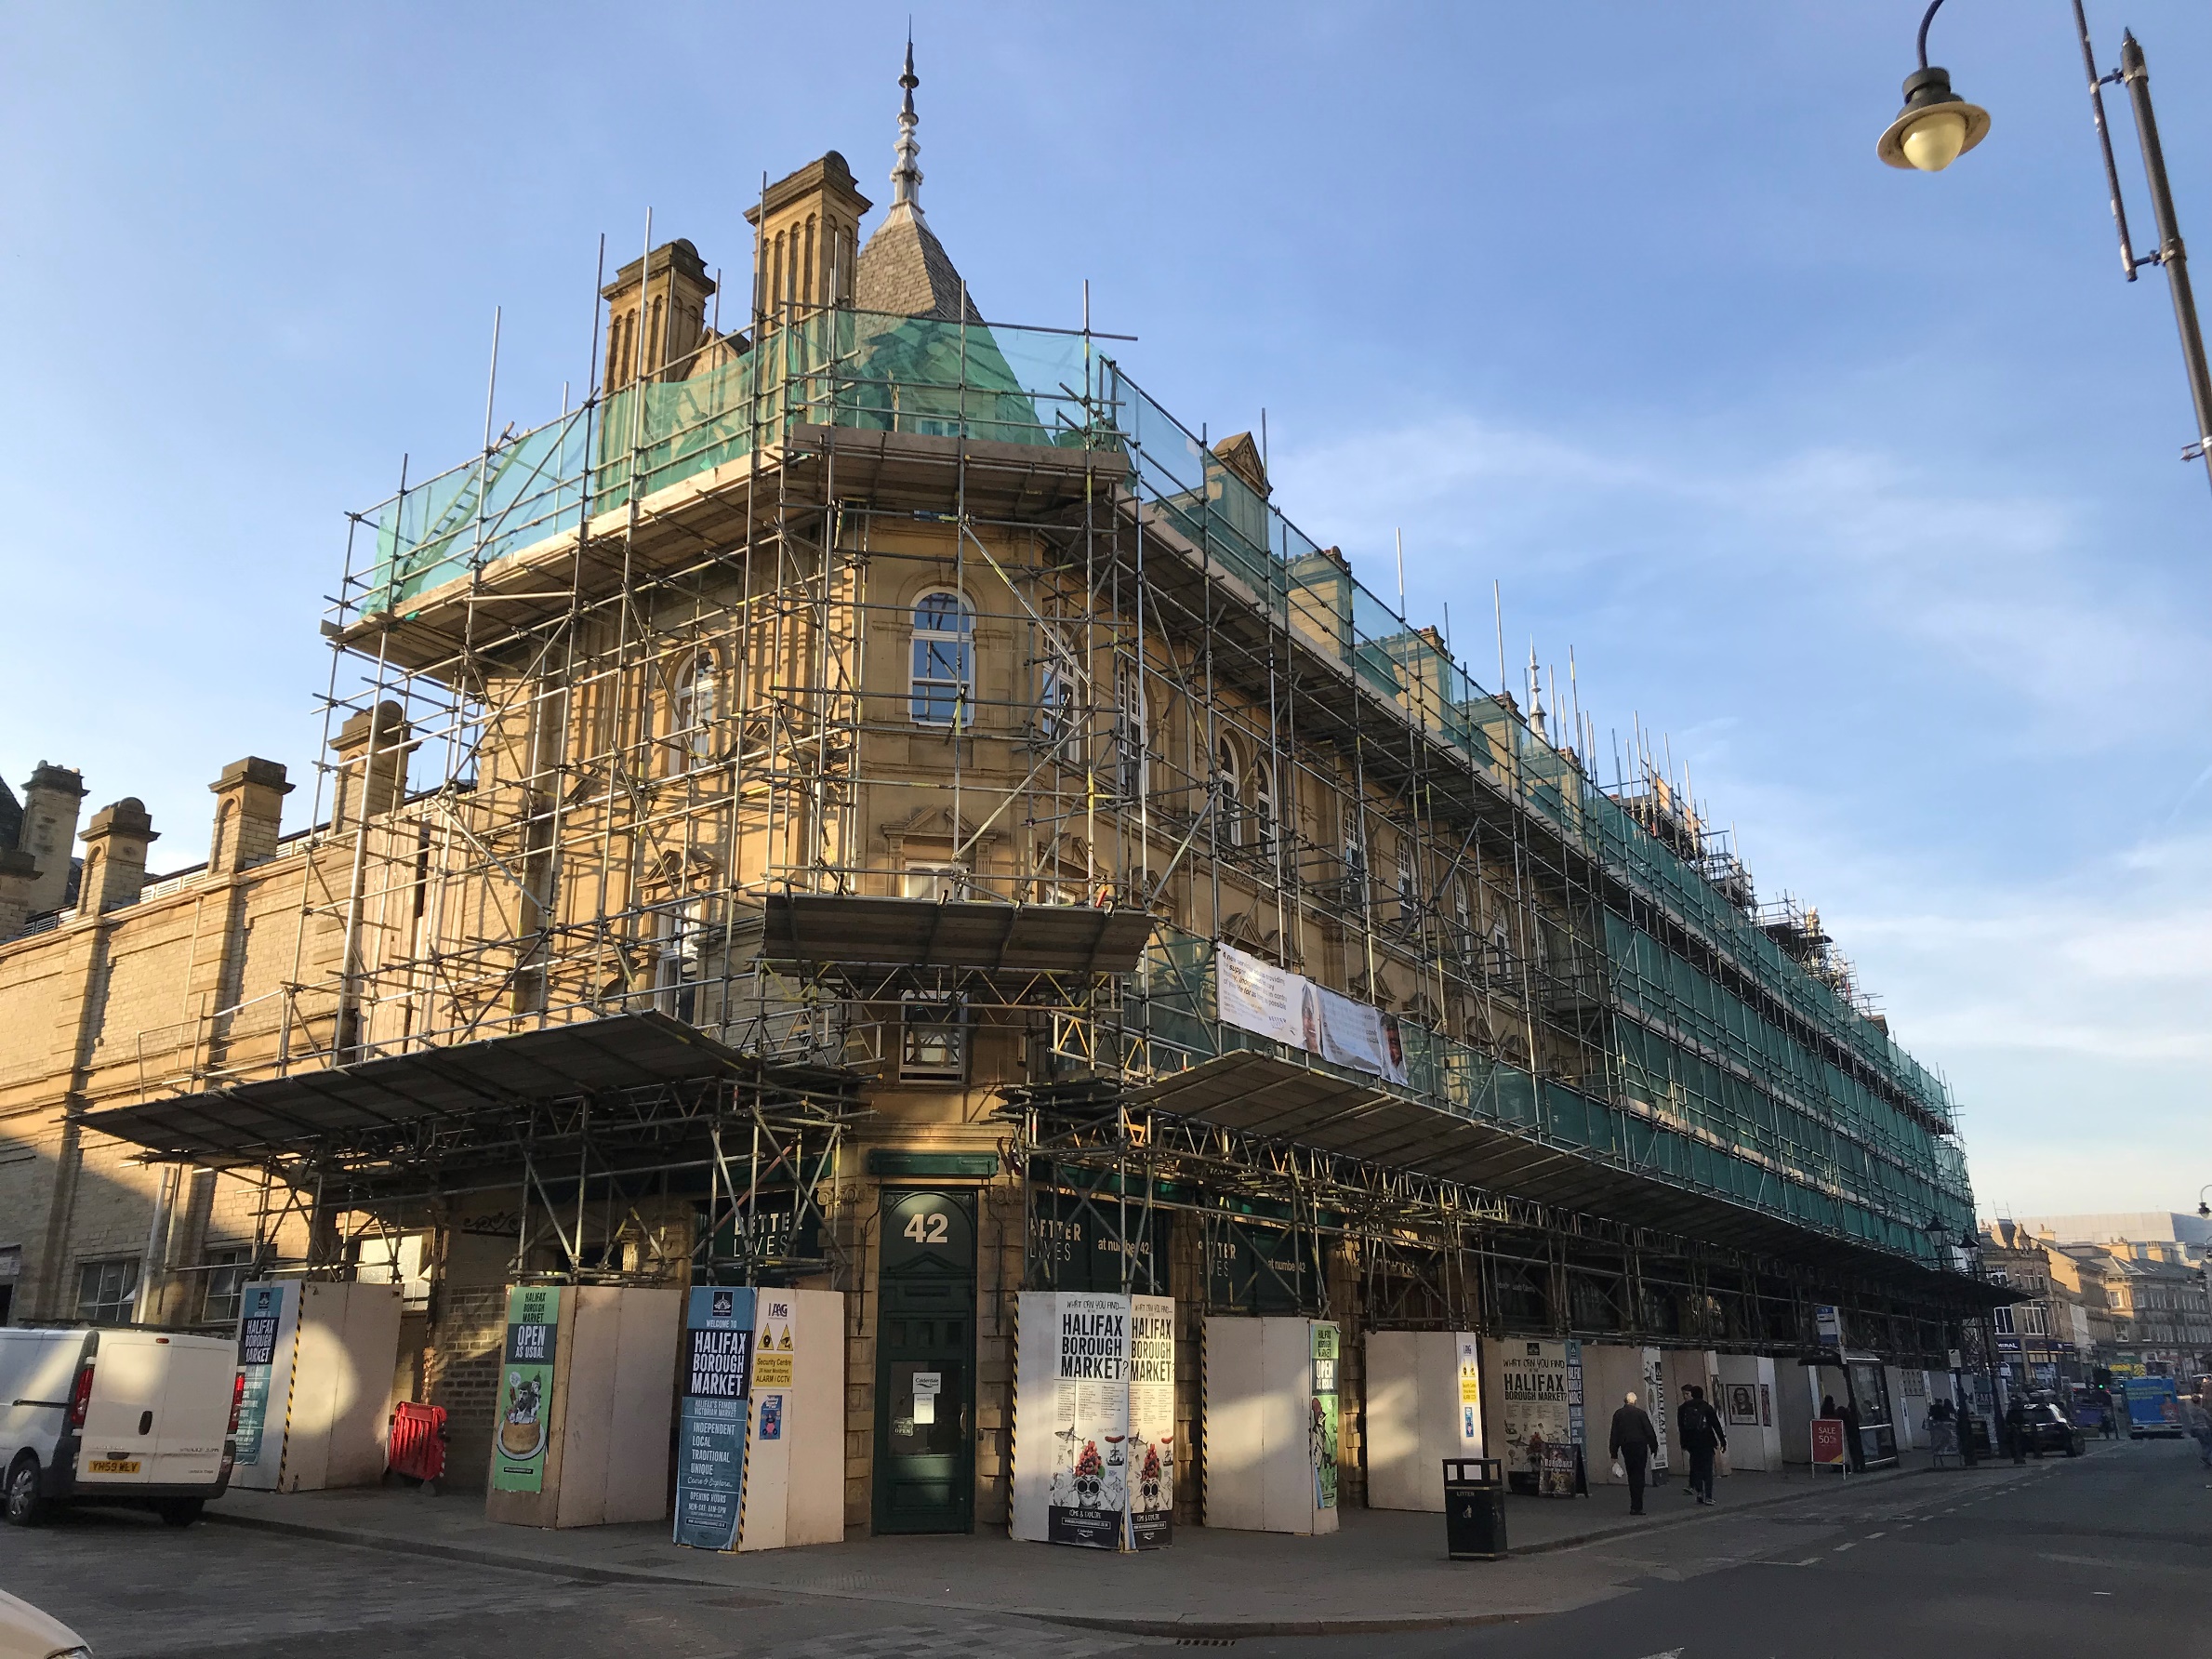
<point x="1701" y="1437"/>
<point x="1635" y="1442"/>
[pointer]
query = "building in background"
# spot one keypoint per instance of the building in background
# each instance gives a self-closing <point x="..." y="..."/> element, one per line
<point x="871" y="800"/>
<point x="2053" y="1336"/>
<point x="2152" y="1268"/>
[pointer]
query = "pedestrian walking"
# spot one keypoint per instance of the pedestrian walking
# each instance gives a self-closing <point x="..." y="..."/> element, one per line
<point x="1703" y="1437"/>
<point x="1635" y="1442"/>
<point x="2016" y="1429"/>
<point x="1853" y="1448"/>
<point x="2200" y="1426"/>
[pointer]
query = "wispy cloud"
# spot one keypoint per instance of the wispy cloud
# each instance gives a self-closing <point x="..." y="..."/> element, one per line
<point x="1980" y="798"/>
<point x="2009" y="586"/>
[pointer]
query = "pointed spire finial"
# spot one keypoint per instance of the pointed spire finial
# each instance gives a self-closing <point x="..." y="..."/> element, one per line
<point x="906" y="177"/>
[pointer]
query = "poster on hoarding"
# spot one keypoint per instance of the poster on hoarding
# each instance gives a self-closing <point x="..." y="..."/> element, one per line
<point x="1533" y="1415"/>
<point x="1325" y="1423"/>
<point x="527" y="1388"/>
<point x="717" y="1370"/>
<point x="1470" y="1397"/>
<point x="1089" y="1484"/>
<point x="1151" y="1420"/>
<point x="1655" y="1404"/>
<point x="268" y="1320"/>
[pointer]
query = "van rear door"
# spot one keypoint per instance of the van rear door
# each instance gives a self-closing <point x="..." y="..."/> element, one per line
<point x="127" y="1375"/>
<point x="195" y="1413"/>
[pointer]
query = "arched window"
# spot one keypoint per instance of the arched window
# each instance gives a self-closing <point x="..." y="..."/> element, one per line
<point x="694" y="707"/>
<point x="1228" y="802"/>
<point x="1356" y="888"/>
<point x="942" y="688"/>
<point x="1263" y="805"/>
<point x="1055" y="692"/>
<point x="1131" y="756"/>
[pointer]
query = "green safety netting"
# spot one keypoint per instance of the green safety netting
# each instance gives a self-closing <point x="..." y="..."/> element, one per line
<point x="1813" y="1142"/>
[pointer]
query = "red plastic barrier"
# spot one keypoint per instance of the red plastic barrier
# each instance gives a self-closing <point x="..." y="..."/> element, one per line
<point x="417" y="1443"/>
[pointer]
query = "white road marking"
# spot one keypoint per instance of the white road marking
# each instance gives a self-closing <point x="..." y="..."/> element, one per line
<point x="1872" y="1536"/>
<point x="1841" y="1547"/>
<point x="1670" y="1653"/>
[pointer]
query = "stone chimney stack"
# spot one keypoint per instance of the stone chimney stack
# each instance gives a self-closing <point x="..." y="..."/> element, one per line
<point x="806" y="239"/>
<point x="51" y="801"/>
<point x="657" y="314"/>
<point x="250" y="809"/>
<point x="115" y="843"/>
<point x="373" y="748"/>
<point x="18" y="873"/>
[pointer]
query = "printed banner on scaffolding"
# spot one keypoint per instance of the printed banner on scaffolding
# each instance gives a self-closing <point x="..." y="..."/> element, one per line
<point x="1290" y="1009"/>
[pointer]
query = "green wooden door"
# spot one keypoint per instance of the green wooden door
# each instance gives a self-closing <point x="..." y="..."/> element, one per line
<point x="925" y="1364"/>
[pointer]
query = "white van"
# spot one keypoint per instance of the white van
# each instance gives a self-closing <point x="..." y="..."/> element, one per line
<point x="119" y="1414"/>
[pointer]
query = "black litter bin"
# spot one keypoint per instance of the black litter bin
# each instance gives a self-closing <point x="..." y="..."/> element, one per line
<point x="1474" y="1509"/>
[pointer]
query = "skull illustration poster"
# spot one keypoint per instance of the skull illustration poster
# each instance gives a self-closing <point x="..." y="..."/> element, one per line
<point x="1089" y="1493"/>
<point x="1151" y="1420"/>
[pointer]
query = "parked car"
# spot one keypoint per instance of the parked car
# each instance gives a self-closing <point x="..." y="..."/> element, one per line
<point x="26" y="1633"/>
<point x="2050" y="1429"/>
<point x="118" y="1415"/>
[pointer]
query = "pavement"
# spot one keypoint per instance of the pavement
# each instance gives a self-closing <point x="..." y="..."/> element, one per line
<point x="2109" y="1551"/>
<point x="1383" y="1570"/>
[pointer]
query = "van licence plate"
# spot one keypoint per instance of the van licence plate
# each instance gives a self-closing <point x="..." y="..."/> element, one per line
<point x="112" y="1466"/>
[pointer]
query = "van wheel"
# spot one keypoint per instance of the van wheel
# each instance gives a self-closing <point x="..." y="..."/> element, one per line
<point x="178" y="1512"/>
<point x="25" y="1504"/>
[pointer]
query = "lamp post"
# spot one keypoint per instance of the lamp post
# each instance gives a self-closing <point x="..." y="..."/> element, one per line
<point x="1936" y="126"/>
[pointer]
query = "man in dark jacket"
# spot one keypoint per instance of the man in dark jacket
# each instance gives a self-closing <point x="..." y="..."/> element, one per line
<point x="1701" y="1437"/>
<point x="1633" y="1442"/>
<point x="2016" y="1429"/>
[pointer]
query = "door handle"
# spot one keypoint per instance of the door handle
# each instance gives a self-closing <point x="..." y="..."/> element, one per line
<point x="145" y="1422"/>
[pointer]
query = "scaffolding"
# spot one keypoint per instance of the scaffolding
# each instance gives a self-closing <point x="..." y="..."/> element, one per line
<point x="946" y="614"/>
<point x="1281" y="1229"/>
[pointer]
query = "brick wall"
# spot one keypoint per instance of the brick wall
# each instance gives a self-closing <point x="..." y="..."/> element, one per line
<point x="461" y="1372"/>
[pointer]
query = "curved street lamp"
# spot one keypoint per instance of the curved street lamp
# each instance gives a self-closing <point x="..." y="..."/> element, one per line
<point x="1936" y="127"/>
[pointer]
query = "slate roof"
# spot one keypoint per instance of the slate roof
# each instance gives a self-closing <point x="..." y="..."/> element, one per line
<point x="11" y="817"/>
<point x="905" y="270"/>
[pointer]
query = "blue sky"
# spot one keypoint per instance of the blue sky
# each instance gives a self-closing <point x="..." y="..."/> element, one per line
<point x="1861" y="485"/>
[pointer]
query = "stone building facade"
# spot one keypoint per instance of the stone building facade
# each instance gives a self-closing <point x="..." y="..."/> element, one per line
<point x="910" y="710"/>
